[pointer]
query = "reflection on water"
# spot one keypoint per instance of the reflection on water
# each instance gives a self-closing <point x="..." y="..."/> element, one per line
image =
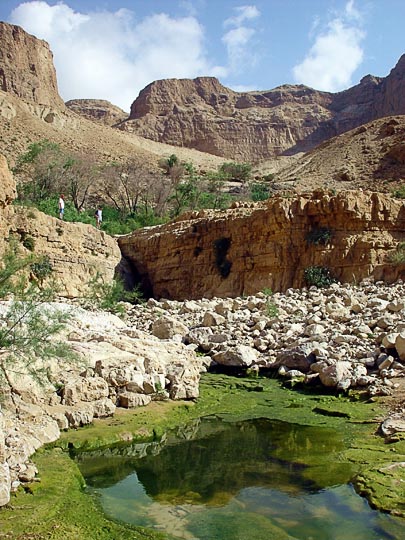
<point x="257" y="479"/>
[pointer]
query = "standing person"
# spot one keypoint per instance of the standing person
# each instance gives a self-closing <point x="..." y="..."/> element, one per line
<point x="99" y="217"/>
<point x="61" y="206"/>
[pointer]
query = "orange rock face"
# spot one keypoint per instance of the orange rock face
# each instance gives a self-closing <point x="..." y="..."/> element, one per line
<point x="268" y="245"/>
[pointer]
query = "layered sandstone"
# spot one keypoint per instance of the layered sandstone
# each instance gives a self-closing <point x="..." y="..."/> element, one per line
<point x="77" y="252"/>
<point x="252" y="126"/>
<point x="98" y="110"/>
<point x="268" y="245"/>
<point x="26" y="67"/>
<point x="205" y="115"/>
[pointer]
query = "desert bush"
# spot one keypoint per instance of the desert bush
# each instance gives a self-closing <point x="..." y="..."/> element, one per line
<point x="399" y="193"/>
<point x="398" y="256"/>
<point x="108" y="295"/>
<point x="259" y="191"/>
<point x="271" y="308"/>
<point x="319" y="276"/>
<point x="41" y="268"/>
<point x="29" y="327"/>
<point x="239" y="172"/>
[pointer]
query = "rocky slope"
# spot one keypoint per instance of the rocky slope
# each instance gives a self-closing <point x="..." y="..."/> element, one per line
<point x="26" y="67"/>
<point x="371" y="156"/>
<point x="253" y="126"/>
<point x="269" y="245"/>
<point x="99" y="110"/>
<point x="342" y="336"/>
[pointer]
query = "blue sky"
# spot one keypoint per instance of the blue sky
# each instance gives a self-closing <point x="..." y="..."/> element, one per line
<point x="112" y="49"/>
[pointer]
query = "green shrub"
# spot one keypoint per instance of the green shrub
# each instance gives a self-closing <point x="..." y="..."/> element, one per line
<point x="319" y="276"/>
<point x="42" y="268"/>
<point x="398" y="256"/>
<point x="271" y="307"/>
<point x="236" y="171"/>
<point x="319" y="235"/>
<point x="29" y="243"/>
<point x="399" y="193"/>
<point x="259" y="191"/>
<point x="107" y="296"/>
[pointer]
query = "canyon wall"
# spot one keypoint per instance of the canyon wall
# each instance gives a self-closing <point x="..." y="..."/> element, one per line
<point x="268" y="245"/>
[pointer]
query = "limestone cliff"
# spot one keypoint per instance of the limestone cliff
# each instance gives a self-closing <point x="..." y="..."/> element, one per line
<point x="243" y="250"/>
<point x="253" y="126"/>
<point x="76" y="251"/>
<point x="98" y="110"/>
<point x="26" y="67"/>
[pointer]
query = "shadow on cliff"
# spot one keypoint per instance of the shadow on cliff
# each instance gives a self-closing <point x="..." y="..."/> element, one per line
<point x="132" y="279"/>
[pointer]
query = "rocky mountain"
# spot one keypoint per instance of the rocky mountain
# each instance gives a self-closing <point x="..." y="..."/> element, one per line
<point x="26" y="67"/>
<point x="203" y="114"/>
<point x="99" y="110"/>
<point x="252" y="126"/>
<point x="32" y="110"/>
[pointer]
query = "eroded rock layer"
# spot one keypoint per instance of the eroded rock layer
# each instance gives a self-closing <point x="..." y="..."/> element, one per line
<point x="269" y="245"/>
<point x="98" y="110"/>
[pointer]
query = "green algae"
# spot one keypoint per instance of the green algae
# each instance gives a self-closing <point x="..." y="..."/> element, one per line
<point x="58" y="508"/>
<point x="229" y="398"/>
<point x="384" y="487"/>
<point x="60" y="494"/>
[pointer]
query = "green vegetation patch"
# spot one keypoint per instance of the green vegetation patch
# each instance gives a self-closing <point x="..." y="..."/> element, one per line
<point x="383" y="486"/>
<point x="57" y="507"/>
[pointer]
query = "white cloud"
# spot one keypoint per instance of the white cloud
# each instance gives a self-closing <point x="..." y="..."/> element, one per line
<point x="110" y="55"/>
<point x="335" y="54"/>
<point x="244" y="13"/>
<point x="238" y="40"/>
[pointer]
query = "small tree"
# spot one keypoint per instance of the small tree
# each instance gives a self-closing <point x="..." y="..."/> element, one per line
<point x="173" y="168"/>
<point x="239" y="172"/>
<point x="39" y="171"/>
<point x="80" y="174"/>
<point x="28" y="324"/>
<point x="45" y="170"/>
